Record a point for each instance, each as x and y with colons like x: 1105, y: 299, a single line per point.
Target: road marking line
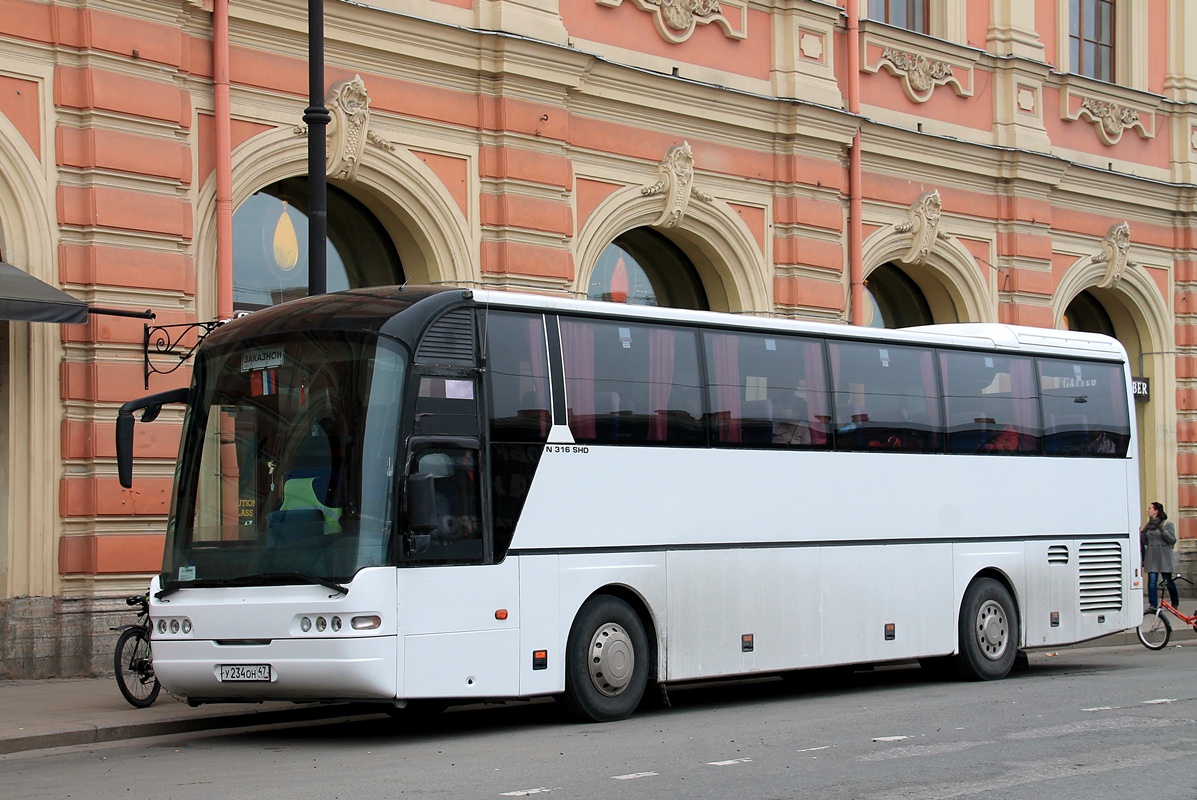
x: 813, y: 749
x: 527, y: 792
x: 729, y: 762
x: 633, y: 776
x: 1099, y: 708
x: 1158, y: 702
x: 889, y: 738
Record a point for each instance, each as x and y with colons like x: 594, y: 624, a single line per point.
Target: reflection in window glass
x: 643, y: 268
x: 766, y: 390
x: 1091, y: 38
x: 632, y: 383
x: 885, y: 397
x: 908, y: 14
x: 270, y: 246
x: 1084, y: 408
x: 458, y: 534
x: 519, y: 377
x: 991, y: 403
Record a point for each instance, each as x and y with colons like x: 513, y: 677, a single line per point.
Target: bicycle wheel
x: 135, y: 669
x: 1154, y: 631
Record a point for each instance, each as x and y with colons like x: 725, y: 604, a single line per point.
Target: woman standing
x: 1156, y: 538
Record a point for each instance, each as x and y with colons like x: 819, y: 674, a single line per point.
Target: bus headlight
x: 366, y: 623
x: 305, y: 624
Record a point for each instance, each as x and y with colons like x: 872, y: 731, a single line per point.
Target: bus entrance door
x: 458, y: 626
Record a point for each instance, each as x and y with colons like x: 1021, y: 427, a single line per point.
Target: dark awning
x: 24, y: 297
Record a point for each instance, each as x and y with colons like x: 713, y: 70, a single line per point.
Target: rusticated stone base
x: 56, y: 637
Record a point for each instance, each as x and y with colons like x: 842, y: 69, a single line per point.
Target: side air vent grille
x: 1101, y: 576
x: 1057, y: 554
x: 449, y: 341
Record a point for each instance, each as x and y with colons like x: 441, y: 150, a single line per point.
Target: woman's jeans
x: 1153, y: 588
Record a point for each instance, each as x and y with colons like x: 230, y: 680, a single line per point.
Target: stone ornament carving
x: 923, y: 226
x: 1115, y: 251
x: 348, y: 129
x: 676, y: 182
x: 1111, y: 119
x: 920, y: 74
x: 676, y: 20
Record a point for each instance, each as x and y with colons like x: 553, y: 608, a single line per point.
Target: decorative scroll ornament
x: 923, y: 226
x: 348, y: 128
x: 1111, y: 119
x: 676, y: 20
x: 675, y: 181
x: 920, y: 75
x: 1115, y: 251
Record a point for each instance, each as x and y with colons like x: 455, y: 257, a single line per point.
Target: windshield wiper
x: 301, y: 576
x: 255, y: 580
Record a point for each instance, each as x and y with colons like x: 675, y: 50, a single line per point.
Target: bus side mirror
x: 421, y: 512
x: 124, y: 427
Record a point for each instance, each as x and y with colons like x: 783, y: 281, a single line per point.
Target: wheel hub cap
x: 612, y: 659
x: 993, y: 633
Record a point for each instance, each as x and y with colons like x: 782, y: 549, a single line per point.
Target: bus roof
x: 993, y: 335
x: 372, y: 308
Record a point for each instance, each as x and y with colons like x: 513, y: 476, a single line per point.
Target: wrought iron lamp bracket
x: 167, y: 343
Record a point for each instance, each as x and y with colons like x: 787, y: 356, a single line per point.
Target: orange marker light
x: 501, y: 613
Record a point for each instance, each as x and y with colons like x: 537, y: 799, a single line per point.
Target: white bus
x: 403, y: 494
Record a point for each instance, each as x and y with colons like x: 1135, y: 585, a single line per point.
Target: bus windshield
x: 286, y: 472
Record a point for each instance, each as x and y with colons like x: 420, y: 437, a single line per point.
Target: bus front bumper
x: 284, y: 669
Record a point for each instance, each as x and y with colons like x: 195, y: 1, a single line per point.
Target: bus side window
x: 630, y: 383
x: 519, y: 377
x: 765, y: 390
x: 886, y: 397
x: 991, y: 403
x: 1084, y: 409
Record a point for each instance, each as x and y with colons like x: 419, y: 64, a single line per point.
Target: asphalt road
x: 1082, y: 723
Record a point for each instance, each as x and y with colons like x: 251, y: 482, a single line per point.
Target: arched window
x: 1086, y: 313
x: 894, y: 300
x: 270, y: 246
x: 642, y: 267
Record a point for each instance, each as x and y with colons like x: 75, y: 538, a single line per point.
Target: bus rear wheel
x: 606, y: 663
x: 988, y: 631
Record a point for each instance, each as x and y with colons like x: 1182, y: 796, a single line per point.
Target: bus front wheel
x: 606, y: 663
x: 988, y: 631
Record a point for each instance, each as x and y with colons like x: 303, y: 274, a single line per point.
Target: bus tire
x: 606, y: 661
x: 988, y: 631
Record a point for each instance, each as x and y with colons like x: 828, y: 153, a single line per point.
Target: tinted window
x: 519, y: 377
x: 766, y: 390
x: 885, y: 397
x: 991, y: 403
x: 1084, y: 408
x: 632, y: 383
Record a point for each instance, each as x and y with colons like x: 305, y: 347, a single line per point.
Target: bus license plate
x: 245, y: 672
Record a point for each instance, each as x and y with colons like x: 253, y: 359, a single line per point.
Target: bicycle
x: 1155, y: 630
x: 133, y: 660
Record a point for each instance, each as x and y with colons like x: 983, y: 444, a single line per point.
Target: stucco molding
x: 1111, y: 116
x: 675, y: 182
x: 922, y: 224
x: 712, y: 235
x: 932, y: 256
x: 676, y: 20
x: 922, y: 65
x: 348, y: 129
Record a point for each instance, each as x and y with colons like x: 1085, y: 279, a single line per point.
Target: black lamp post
x: 317, y: 118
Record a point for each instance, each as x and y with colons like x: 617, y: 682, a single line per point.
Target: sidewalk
x: 36, y: 715
x: 40, y: 714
